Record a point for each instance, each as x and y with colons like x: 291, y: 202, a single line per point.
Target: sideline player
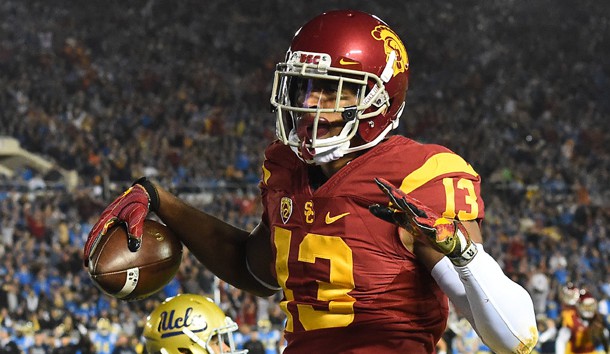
x: 584, y: 330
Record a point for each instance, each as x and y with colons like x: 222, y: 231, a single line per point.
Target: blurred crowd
x: 179, y: 91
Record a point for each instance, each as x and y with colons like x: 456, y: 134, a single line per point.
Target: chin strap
x: 331, y: 153
x: 375, y: 141
x: 324, y: 154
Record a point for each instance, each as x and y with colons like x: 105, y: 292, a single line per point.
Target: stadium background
x: 108, y: 91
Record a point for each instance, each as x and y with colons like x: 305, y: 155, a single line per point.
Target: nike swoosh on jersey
x: 342, y: 61
x: 331, y: 219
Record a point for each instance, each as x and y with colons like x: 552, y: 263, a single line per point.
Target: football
x: 128, y: 275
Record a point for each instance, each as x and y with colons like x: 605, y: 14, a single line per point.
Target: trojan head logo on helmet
x: 340, y: 51
x: 190, y: 324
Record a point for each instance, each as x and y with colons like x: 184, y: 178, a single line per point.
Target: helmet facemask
x: 301, y: 125
x: 219, y: 335
x: 587, y: 306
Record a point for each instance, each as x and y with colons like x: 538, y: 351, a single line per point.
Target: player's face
x: 323, y: 94
x: 216, y: 345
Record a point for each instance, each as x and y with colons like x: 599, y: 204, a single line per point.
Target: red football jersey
x: 582, y: 339
x: 350, y: 286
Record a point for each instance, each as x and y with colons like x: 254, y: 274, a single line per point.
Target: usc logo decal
x: 310, y: 58
x: 391, y: 43
x: 309, y: 212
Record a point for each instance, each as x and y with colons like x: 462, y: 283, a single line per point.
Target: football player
x: 569, y: 295
x: 365, y: 233
x: 189, y: 324
x: 104, y: 337
x: 585, y: 330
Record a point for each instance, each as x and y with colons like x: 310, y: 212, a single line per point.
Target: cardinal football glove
x: 448, y: 236
x: 131, y: 208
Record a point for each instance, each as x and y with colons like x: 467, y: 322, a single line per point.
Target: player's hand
x: 448, y: 236
x: 130, y: 209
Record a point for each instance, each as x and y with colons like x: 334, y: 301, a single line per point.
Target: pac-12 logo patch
x: 285, y: 209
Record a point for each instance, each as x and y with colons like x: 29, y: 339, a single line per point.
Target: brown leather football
x: 128, y: 275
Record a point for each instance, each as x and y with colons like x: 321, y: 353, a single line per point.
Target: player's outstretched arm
x: 219, y: 246
x: 500, y: 310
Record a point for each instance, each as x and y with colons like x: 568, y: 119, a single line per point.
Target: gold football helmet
x: 190, y: 324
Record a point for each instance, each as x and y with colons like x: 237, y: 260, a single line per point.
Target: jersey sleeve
x: 445, y: 182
